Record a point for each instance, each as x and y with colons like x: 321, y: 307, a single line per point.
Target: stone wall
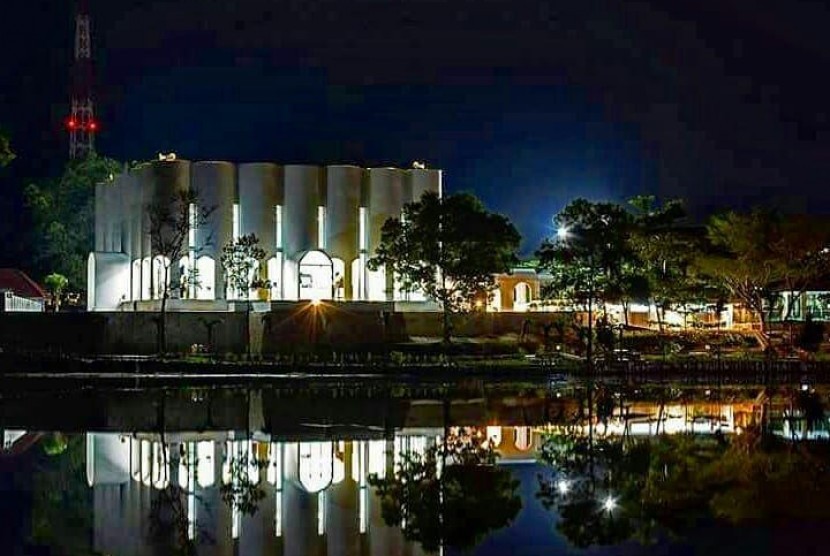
x: 284, y: 328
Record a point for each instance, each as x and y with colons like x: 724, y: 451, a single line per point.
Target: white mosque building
x: 319, y: 225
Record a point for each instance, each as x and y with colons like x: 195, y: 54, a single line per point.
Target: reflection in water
x: 451, y: 493
x: 608, y: 485
x: 421, y: 475
x: 267, y: 489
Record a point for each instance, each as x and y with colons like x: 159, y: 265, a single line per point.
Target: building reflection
x: 316, y: 494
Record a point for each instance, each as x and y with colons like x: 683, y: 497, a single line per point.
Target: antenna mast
x: 81, y: 123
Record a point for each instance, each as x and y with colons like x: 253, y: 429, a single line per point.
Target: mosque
x: 319, y: 225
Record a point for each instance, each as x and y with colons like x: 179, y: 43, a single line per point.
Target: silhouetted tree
x: 586, y: 257
x: 170, y: 221
x: 243, y: 260
x: 450, y: 248
x: 63, y: 214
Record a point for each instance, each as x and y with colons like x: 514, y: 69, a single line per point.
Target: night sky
x: 527, y: 104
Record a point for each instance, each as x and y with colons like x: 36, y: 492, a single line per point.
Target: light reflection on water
x: 291, y: 478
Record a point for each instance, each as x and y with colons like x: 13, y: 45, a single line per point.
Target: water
x: 459, y: 467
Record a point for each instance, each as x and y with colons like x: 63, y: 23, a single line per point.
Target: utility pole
x: 81, y: 123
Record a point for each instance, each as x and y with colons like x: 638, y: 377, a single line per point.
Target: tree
x: 664, y: 252
x: 449, y: 248
x: 64, y: 216
x: 170, y: 221
x: 801, y: 245
x: 61, y: 502
x: 670, y: 484
x: 456, y: 508
x: 757, y: 254
x: 586, y: 258
x: 56, y: 284
x: 242, y: 260
x: 6, y: 154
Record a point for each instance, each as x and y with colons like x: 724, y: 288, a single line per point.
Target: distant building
x: 814, y: 303
x: 519, y: 290
x: 319, y: 225
x: 20, y: 293
x: 523, y: 290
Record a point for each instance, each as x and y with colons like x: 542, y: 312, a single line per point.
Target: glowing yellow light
x: 315, y: 302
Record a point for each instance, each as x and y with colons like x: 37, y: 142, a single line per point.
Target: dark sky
x: 528, y: 104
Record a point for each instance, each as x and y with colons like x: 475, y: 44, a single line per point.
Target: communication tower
x: 81, y: 123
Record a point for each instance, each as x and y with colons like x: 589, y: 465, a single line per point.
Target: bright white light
x: 563, y: 486
x: 609, y: 504
x: 562, y: 232
x: 805, y: 387
x: 315, y: 302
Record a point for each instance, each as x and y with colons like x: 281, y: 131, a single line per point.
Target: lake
x: 349, y: 466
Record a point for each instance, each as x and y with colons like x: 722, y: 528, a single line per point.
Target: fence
x: 16, y: 304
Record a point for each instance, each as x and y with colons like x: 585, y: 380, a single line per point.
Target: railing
x: 16, y: 304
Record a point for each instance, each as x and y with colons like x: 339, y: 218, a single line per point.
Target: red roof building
x: 19, y: 283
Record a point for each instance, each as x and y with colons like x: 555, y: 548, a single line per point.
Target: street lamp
x: 562, y: 232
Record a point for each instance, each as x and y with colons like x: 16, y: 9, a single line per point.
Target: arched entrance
x: 316, y: 276
x: 205, y: 286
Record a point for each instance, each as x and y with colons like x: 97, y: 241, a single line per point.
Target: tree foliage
x: 6, y: 153
x: 449, y: 248
x: 665, y: 253
x: 587, y: 257
x: 758, y: 254
x: 64, y: 218
x: 242, y: 260
x: 56, y: 284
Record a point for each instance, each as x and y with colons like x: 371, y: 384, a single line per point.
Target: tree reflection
x: 452, y: 495
x: 243, y: 490
x: 616, y: 488
x: 61, y: 502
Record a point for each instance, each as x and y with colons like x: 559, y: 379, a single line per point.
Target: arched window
x: 494, y: 303
x: 315, y: 276
x: 316, y: 464
x: 205, y: 287
x: 339, y: 279
x: 146, y: 273
x: 522, y: 296
x: 161, y: 275
x: 494, y: 434
x: 185, y: 275
x: 275, y: 276
x: 205, y: 454
x: 136, y: 280
x: 376, y: 284
x: 357, y: 279
x: 522, y: 438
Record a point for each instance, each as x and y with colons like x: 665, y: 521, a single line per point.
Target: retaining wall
x: 286, y: 327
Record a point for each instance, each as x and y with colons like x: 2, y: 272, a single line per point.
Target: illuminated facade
x: 319, y: 226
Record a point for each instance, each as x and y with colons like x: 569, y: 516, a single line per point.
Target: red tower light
x: 93, y: 125
x: 71, y: 123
